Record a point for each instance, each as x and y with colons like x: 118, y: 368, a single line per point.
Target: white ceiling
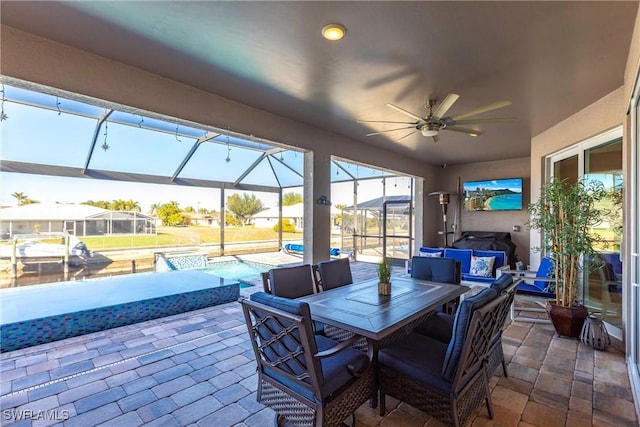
x: 550, y: 59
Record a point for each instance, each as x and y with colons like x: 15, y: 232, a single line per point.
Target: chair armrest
x: 514, y: 272
x: 527, y: 275
x: 338, y: 348
x: 347, y: 344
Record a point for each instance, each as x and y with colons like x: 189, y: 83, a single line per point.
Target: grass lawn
x: 179, y: 236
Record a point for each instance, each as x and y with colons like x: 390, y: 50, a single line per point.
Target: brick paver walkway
x: 197, y: 369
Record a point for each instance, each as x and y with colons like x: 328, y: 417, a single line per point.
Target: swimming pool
x: 239, y: 270
x: 43, y: 313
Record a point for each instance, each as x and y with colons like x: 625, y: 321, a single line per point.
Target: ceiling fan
x: 436, y: 121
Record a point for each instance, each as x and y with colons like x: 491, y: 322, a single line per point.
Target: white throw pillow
x: 482, y: 266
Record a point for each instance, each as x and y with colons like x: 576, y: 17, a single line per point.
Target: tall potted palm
x: 565, y: 214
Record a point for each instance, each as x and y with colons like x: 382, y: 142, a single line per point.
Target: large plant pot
x: 567, y: 321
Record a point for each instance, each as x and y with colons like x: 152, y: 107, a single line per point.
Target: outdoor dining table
x: 359, y: 309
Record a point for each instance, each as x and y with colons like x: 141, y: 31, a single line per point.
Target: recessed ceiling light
x: 333, y: 32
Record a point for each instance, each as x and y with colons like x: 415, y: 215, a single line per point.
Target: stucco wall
x: 599, y: 117
x: 488, y: 220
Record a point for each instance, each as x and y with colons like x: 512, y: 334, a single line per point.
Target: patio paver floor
x: 198, y: 369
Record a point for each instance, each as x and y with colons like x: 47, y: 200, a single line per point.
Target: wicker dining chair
x: 440, y: 325
x: 290, y: 282
x: 446, y: 381
x: 335, y: 273
x: 438, y: 269
x: 308, y: 380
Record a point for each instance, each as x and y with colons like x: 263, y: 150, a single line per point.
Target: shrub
x: 287, y: 226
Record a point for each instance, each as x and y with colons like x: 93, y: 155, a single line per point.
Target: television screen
x: 493, y: 195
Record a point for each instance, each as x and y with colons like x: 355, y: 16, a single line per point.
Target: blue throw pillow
x: 460, y: 327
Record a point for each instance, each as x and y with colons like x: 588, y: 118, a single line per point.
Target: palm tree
x: 132, y: 205
x: 153, y: 209
x: 21, y: 197
x: 118, y: 205
x: 289, y: 199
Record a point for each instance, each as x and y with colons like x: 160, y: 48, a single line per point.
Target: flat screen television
x: 493, y: 195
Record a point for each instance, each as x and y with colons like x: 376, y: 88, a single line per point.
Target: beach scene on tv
x: 493, y: 195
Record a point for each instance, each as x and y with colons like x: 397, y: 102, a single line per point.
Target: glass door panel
x: 600, y: 158
x: 603, y: 288
x: 566, y: 169
x: 397, y: 230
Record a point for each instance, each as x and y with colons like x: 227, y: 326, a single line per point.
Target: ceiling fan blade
x: 436, y: 138
x: 405, y: 112
x: 401, y: 138
x: 469, y: 131
x: 490, y: 107
x: 492, y: 120
x: 446, y: 104
x: 385, y: 121
x: 389, y: 130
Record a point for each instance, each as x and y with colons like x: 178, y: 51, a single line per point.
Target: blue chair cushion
x: 613, y: 258
x: 418, y: 357
x: 502, y: 283
x: 544, y: 270
x: 436, y: 269
x: 462, y: 255
x: 298, y: 308
x: 438, y: 327
x: 288, y: 305
x: 474, y: 278
x: 459, y: 331
x: 335, y: 374
x: 430, y: 252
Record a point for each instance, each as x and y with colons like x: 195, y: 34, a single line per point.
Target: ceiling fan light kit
x: 427, y: 130
x: 436, y: 120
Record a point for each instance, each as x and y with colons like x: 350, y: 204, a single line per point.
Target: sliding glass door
x: 633, y: 244
x: 600, y: 159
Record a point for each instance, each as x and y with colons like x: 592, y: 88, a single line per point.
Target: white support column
x: 222, y: 220
x: 418, y: 200
x: 317, y: 217
x: 280, y: 243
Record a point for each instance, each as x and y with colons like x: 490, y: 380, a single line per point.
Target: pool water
x: 237, y: 270
x: 44, y: 313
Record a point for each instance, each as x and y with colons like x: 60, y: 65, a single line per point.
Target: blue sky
x: 60, y: 133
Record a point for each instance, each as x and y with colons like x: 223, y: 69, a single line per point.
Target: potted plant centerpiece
x: 384, y: 277
x: 565, y: 214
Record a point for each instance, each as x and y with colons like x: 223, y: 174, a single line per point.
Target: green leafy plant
x: 565, y: 214
x: 384, y: 271
x: 287, y: 226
